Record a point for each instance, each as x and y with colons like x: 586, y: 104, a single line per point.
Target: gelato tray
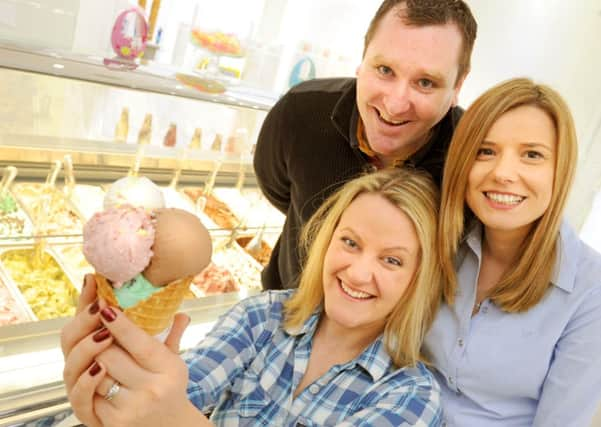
x: 262, y: 210
x: 13, y: 309
x: 45, y: 286
x: 214, y: 280
x: 215, y: 209
x: 243, y: 267
x: 175, y: 199
x: 88, y: 199
x: 51, y: 212
x: 262, y: 254
x: 73, y: 259
x: 14, y: 222
x: 251, y: 206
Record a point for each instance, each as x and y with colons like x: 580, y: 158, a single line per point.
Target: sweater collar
x: 345, y: 118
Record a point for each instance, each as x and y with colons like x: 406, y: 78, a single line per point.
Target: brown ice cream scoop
x: 182, y: 247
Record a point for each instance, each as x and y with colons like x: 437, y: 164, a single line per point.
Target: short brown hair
x: 421, y: 13
x: 414, y: 193
x: 526, y: 283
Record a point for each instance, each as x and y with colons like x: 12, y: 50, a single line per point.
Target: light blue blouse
x: 538, y: 368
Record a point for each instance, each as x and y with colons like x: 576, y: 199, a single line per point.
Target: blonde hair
x: 525, y: 284
x: 415, y: 194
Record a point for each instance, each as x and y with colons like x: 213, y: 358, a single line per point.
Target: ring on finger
x: 112, y: 391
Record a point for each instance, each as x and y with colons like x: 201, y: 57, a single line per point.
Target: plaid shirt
x: 246, y: 369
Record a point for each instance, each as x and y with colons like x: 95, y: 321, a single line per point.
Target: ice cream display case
x: 66, y: 134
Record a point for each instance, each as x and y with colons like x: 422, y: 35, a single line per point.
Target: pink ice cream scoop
x: 129, y: 233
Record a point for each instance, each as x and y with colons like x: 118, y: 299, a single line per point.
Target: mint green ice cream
x: 137, y: 289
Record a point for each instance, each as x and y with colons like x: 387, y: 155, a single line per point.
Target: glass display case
x: 70, y: 126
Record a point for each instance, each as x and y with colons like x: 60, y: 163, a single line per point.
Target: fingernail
x: 101, y: 335
x: 94, y: 308
x: 108, y: 314
x: 95, y: 369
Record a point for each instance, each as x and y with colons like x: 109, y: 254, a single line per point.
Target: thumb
x: 180, y: 323
x: 88, y: 293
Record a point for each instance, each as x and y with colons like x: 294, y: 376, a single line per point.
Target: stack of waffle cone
x: 155, y: 313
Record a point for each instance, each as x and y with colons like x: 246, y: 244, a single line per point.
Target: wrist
x: 190, y: 416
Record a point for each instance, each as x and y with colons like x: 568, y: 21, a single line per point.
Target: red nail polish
x: 94, y: 308
x: 101, y: 335
x: 95, y: 369
x: 108, y: 314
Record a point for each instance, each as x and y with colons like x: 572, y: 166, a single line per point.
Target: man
x: 400, y: 109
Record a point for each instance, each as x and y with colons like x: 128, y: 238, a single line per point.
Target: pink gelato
x: 129, y: 233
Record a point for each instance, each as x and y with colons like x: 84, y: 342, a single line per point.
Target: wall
x: 42, y: 23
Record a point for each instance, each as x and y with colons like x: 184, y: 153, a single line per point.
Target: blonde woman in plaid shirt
x: 343, y: 349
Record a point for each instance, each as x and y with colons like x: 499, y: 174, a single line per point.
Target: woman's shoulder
x: 265, y: 305
x: 268, y: 298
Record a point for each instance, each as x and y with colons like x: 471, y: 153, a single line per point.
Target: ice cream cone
x: 155, y: 313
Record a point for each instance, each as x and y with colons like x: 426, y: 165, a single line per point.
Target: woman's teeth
x: 505, y: 199
x: 353, y: 293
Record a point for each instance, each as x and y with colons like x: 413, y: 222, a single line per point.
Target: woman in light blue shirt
x: 517, y: 341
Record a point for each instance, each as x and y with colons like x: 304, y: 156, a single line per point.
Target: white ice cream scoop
x: 137, y: 191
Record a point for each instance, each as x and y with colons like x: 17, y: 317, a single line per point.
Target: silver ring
x: 112, y: 391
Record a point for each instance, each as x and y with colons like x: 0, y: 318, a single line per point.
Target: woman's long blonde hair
x: 415, y: 194
x: 525, y: 284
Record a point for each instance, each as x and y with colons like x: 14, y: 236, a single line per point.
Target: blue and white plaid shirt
x: 246, y: 370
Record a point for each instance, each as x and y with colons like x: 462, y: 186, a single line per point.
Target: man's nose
x: 397, y: 100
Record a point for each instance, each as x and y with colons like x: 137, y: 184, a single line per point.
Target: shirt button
x: 484, y: 310
x: 460, y: 342
x: 313, y: 389
x: 450, y: 380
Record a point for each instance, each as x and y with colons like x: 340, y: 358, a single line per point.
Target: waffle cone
x: 155, y: 313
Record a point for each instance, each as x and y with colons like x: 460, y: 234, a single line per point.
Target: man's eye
x: 425, y: 83
x: 384, y: 70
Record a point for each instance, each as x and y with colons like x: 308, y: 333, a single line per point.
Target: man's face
x: 406, y: 83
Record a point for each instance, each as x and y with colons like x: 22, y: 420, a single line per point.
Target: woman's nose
x: 361, y: 270
x: 505, y: 169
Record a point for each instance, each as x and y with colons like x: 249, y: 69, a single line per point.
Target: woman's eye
x: 534, y: 155
x: 485, y: 152
x: 425, y: 83
x: 393, y: 261
x: 384, y: 70
x: 349, y: 242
